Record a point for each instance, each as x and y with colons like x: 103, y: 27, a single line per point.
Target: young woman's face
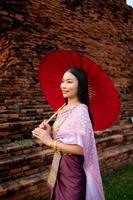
x: 69, y: 85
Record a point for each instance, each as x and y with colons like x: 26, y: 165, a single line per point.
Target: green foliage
x: 17, y: 107
x: 24, y: 142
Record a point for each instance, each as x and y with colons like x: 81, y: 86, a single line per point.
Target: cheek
x: 74, y: 88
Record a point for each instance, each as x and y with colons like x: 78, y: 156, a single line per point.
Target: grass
x: 118, y: 185
x: 24, y: 142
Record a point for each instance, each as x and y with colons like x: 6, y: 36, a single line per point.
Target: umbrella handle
x: 55, y: 113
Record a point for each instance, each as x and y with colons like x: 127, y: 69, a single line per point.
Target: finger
x: 46, y: 126
x: 41, y: 125
x: 45, y: 122
x: 36, y: 132
x: 34, y: 129
x: 38, y: 129
x: 36, y: 135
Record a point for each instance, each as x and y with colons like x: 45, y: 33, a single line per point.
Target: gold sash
x: 54, y: 170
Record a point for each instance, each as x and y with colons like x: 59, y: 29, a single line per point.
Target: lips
x: 64, y: 92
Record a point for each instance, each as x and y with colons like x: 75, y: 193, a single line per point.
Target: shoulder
x: 81, y: 110
x: 82, y: 107
x: 81, y: 115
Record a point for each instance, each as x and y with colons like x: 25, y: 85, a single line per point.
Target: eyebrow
x: 67, y: 79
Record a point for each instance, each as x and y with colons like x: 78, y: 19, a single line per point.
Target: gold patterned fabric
x: 54, y: 170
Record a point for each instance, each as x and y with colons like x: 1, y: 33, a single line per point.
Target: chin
x: 65, y: 96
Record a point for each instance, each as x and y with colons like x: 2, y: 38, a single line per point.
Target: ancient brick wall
x: 30, y: 29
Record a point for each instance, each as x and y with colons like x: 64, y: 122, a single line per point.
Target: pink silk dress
x: 77, y: 129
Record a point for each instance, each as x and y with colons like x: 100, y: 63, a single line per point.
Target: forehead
x: 69, y: 75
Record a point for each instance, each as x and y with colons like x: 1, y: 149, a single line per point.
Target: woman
x: 78, y: 174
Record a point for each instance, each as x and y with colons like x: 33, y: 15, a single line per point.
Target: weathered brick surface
x: 30, y: 29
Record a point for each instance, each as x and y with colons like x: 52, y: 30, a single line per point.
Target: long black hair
x: 83, y: 92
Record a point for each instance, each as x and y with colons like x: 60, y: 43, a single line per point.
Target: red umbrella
x: 104, y: 98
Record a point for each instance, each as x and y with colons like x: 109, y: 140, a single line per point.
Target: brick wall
x: 30, y: 29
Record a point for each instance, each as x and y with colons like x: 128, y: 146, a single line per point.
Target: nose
x: 63, y: 86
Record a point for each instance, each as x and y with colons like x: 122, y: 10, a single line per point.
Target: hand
x: 42, y: 135
x: 44, y: 125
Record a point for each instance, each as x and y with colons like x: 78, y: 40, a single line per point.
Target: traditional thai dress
x: 78, y: 176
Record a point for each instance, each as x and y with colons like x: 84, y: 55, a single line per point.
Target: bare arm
x: 70, y: 148
x: 45, y: 138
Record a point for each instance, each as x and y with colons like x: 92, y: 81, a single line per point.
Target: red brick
x: 30, y: 172
x: 14, y: 171
x: 2, y: 191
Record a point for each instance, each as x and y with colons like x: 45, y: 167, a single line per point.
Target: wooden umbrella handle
x: 55, y: 113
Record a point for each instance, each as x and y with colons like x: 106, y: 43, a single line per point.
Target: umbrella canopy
x: 104, y: 102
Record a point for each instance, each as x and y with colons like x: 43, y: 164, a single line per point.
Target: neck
x: 73, y: 101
